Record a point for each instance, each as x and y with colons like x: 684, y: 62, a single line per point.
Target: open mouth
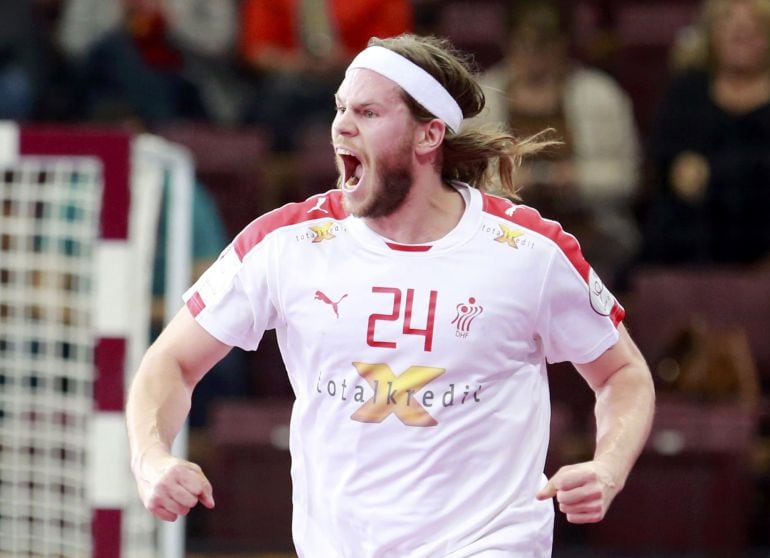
x: 352, y: 170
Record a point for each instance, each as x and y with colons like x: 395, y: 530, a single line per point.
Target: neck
x: 741, y: 90
x: 431, y: 210
x: 742, y: 75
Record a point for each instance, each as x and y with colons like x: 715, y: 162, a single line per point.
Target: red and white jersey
x: 422, y: 411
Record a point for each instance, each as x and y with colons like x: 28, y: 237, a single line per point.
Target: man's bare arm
x: 625, y: 404
x: 158, y: 403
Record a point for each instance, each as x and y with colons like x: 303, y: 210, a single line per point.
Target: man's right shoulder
x: 326, y: 205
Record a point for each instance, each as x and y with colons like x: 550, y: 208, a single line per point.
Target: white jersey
x: 422, y: 412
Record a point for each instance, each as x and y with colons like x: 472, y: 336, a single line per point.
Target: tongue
x: 352, y: 182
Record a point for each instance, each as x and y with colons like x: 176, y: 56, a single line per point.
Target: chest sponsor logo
x: 405, y: 396
x: 466, y: 313
x: 398, y: 395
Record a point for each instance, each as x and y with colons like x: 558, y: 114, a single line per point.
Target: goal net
x: 78, y: 218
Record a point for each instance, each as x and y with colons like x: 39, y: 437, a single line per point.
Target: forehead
x: 366, y: 86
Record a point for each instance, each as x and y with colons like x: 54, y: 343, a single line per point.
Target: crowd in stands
x: 692, y: 180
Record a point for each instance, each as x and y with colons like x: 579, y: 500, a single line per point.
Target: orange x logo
x: 322, y: 232
x: 509, y: 236
x: 395, y: 394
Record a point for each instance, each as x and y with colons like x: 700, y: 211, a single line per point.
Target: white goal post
x: 78, y: 226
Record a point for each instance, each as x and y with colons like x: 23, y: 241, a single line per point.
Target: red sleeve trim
x: 195, y: 304
x: 617, y: 314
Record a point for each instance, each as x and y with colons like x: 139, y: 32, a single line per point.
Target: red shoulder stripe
x: 328, y: 204
x: 529, y: 218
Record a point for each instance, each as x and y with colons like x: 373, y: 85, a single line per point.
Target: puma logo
x: 326, y: 300
x: 317, y: 207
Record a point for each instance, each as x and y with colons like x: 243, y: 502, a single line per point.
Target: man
x: 415, y: 315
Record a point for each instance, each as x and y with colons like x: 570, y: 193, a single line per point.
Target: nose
x: 343, y: 124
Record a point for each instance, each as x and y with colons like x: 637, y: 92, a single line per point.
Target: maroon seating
x: 691, y: 488
x: 250, y: 471
x: 666, y: 300
x: 477, y: 27
x: 231, y: 163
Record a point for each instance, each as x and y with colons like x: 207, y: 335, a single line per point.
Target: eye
x: 340, y: 109
x: 368, y: 113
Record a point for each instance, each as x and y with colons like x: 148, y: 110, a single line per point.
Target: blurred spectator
x: 710, y: 148
x: 160, y: 59
x: 84, y: 22
x: 589, y: 181
x: 25, y: 59
x: 206, y: 34
x: 297, y: 51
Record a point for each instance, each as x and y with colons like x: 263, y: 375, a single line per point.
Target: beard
x: 388, y: 190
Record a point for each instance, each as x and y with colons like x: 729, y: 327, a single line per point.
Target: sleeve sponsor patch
x: 602, y: 300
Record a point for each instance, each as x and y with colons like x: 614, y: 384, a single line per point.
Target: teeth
x: 351, y: 184
x: 351, y: 168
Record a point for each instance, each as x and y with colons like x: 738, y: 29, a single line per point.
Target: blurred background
x: 663, y: 174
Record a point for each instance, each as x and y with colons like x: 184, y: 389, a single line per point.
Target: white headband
x: 422, y: 86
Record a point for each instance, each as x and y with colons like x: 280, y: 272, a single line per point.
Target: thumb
x: 206, y: 495
x: 548, y: 491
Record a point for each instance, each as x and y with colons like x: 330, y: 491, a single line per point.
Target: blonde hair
x: 694, y: 48
x: 484, y: 158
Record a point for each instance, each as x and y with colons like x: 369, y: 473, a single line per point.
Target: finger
x: 169, y: 514
x: 588, y: 508
x: 548, y: 491
x: 161, y: 512
x: 207, y: 495
x: 583, y: 518
x: 581, y: 494
x: 565, y: 478
x: 569, y: 478
x: 182, y: 495
x: 165, y: 500
x: 197, y: 484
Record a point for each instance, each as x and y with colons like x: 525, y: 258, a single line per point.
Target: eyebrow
x: 360, y: 105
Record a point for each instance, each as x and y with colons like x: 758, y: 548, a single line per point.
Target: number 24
x: 396, y: 314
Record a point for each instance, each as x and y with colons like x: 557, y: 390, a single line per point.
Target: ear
x: 430, y: 136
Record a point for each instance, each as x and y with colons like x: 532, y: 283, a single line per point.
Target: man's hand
x: 170, y: 487
x: 584, y: 491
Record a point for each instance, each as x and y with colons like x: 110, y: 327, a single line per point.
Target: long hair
x: 486, y: 158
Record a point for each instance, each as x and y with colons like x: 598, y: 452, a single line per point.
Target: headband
x: 422, y: 86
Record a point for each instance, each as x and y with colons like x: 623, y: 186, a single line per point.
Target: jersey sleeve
x: 232, y: 299
x: 578, y: 316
